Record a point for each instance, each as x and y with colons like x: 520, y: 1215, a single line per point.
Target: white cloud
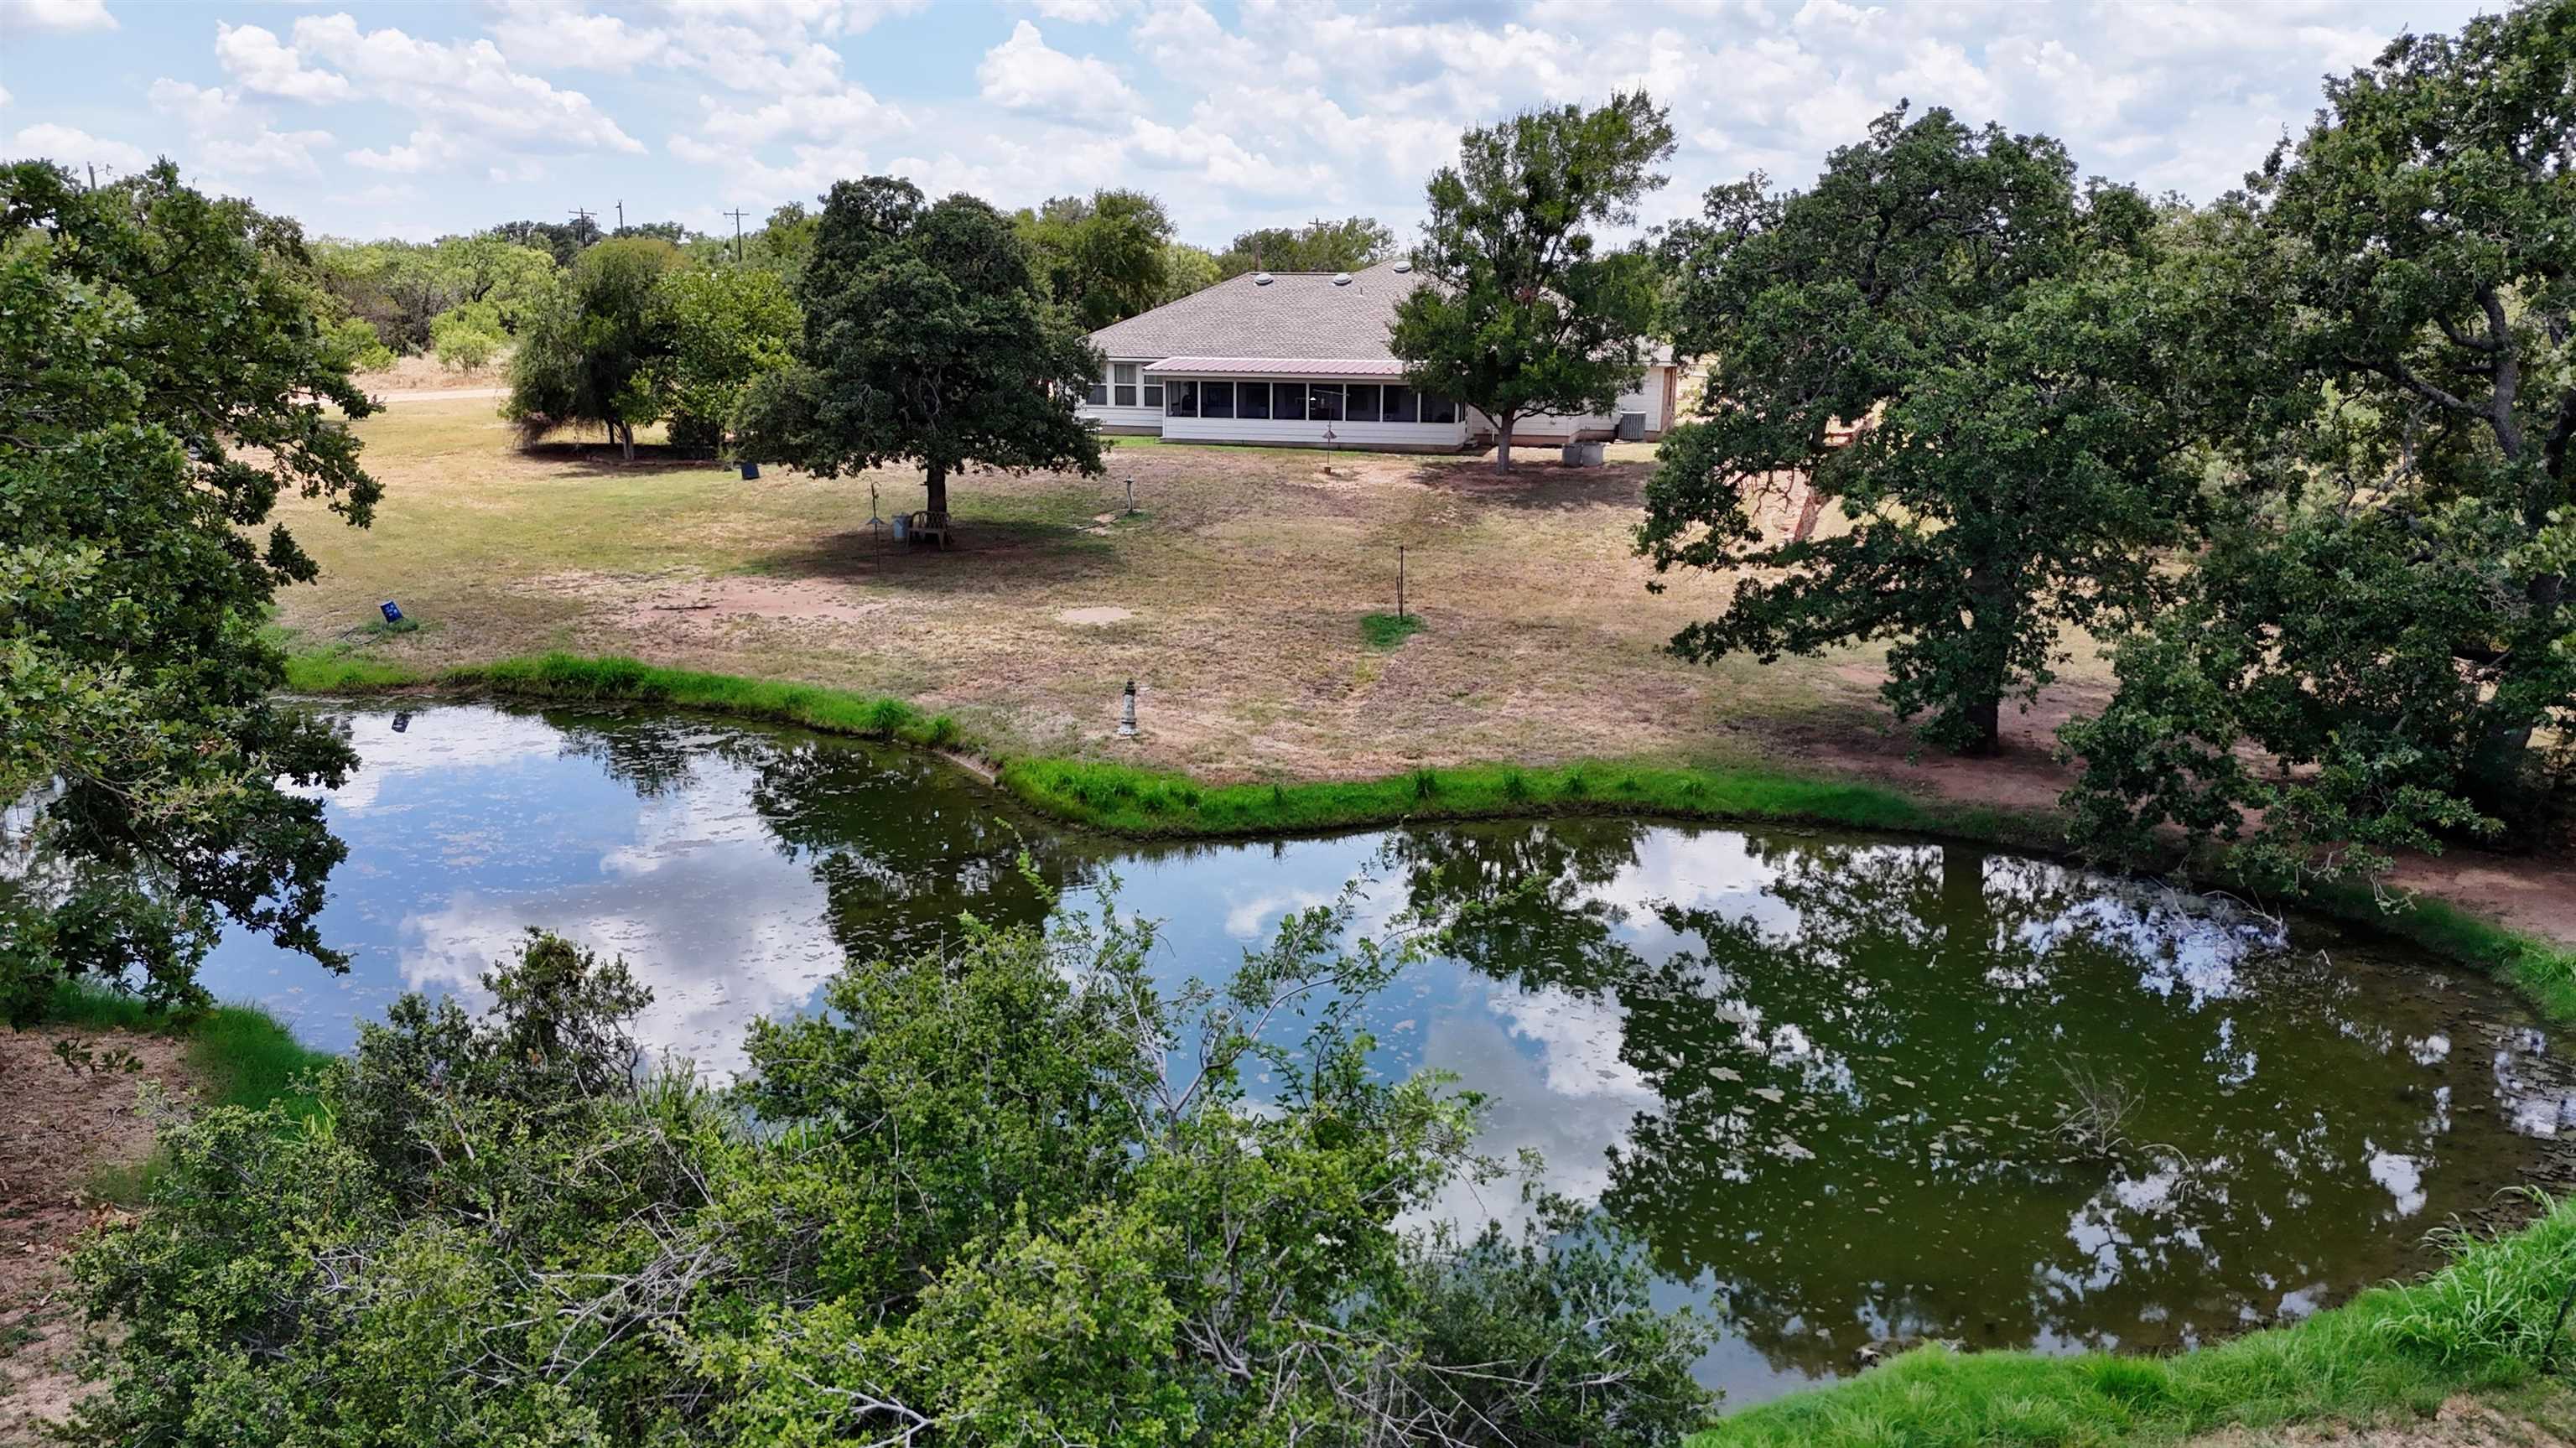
x: 75, y: 148
x: 4, y: 95
x: 466, y: 82
x: 1083, y: 12
x: 230, y: 137
x: 1023, y: 74
x: 794, y: 19
x: 427, y: 150
x: 564, y: 35
x: 845, y: 113
x: 255, y: 56
x: 464, y: 93
x: 56, y: 15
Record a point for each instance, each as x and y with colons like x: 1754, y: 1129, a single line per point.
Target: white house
x: 1301, y: 359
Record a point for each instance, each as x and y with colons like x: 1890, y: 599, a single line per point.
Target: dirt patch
x: 58, y: 1128
x: 2463, y: 1422
x: 684, y: 604
x: 1100, y: 614
x: 415, y: 375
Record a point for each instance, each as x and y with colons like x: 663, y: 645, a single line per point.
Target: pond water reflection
x: 1827, y: 1078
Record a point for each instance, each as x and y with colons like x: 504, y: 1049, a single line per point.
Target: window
x: 1359, y: 402
x: 1288, y: 400
x: 1097, y: 395
x: 1436, y: 408
x: 1252, y: 399
x: 1403, y: 404
x: 1216, y: 399
x: 1122, y: 383
x: 1153, y: 393
x: 1324, y: 402
x: 1181, y: 399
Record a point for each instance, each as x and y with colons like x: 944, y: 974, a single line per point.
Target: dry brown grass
x: 1246, y: 574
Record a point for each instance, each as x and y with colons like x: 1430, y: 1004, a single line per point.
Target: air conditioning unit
x: 1632, y: 427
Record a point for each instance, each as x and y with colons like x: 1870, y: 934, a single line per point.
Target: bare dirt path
x: 2543, y: 1420
x: 440, y: 394
x: 58, y: 1128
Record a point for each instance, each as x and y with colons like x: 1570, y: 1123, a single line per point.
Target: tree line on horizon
x: 1105, y: 257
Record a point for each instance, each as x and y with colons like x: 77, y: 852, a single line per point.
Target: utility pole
x: 621, y: 216
x: 737, y: 216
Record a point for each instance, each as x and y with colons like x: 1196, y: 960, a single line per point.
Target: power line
x: 737, y: 215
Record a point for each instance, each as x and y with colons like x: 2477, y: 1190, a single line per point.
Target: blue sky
x: 415, y: 119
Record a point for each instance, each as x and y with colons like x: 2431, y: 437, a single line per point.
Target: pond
x: 1827, y: 1078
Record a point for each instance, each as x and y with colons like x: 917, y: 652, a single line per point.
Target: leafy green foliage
x: 401, y: 289
x: 2387, y: 317
x: 594, y: 351
x: 928, y: 338
x: 1318, y: 246
x: 560, y: 240
x: 1995, y: 334
x: 729, y: 325
x: 1187, y: 269
x: 1523, y: 311
x: 1002, y: 1192
x: 1103, y: 257
x: 164, y: 376
x: 468, y: 337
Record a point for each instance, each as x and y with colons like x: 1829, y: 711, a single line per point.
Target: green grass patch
x: 1386, y: 630
x: 2479, y: 1324
x: 624, y: 680
x: 343, y: 673
x: 238, y: 1055
x: 1144, y: 802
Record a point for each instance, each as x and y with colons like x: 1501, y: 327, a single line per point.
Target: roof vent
x: 1403, y: 266
x: 1341, y: 279
x: 1261, y: 279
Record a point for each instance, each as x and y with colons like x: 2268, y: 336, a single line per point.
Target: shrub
x: 968, y: 1191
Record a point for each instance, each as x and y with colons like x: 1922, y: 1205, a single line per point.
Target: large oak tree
x: 928, y: 338
x: 2390, y: 307
x: 164, y: 379
x: 1955, y: 340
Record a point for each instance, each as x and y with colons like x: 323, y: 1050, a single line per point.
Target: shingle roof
x: 1276, y: 367
x: 1300, y: 314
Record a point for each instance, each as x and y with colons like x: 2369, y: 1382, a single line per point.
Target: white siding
x: 1305, y: 431
x: 1110, y: 414
x: 1647, y: 397
x: 1144, y: 417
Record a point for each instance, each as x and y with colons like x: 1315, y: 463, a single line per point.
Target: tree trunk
x: 1984, y: 714
x: 626, y: 440
x: 1981, y: 694
x: 1503, y: 443
x: 2499, y: 775
x: 936, y: 480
